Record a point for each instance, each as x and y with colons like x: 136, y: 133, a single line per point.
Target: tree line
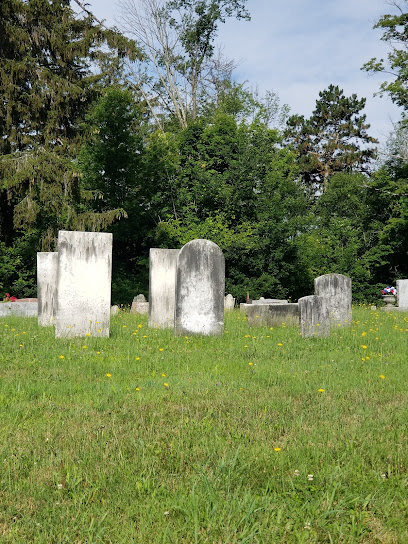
x: 143, y: 131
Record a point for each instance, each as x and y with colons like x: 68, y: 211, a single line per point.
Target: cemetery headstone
x: 84, y: 284
x: 336, y: 289
x: 402, y: 294
x: 200, y: 285
x: 139, y: 305
x: 162, y: 287
x: 314, y: 317
x: 272, y: 315
x: 229, y: 302
x: 47, y: 276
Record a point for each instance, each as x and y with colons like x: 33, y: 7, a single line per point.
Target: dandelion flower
x: 160, y: 349
x: 88, y: 334
x: 137, y: 358
x: 83, y: 347
x: 166, y: 384
x: 276, y: 449
x: 62, y: 357
x: 321, y: 390
x: 382, y: 376
x: 245, y: 346
x: 364, y: 347
x: 98, y: 353
x: 280, y: 344
x: 140, y: 326
x: 108, y: 375
x: 124, y: 326
x: 137, y: 388
x: 250, y: 364
x: 163, y: 375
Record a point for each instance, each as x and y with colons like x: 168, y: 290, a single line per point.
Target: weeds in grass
x: 257, y: 436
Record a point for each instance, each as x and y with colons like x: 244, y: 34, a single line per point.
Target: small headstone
x: 229, y: 303
x: 139, y: 298
x: 314, y: 317
x: 84, y: 284
x: 336, y: 289
x: 200, y: 285
x: 402, y: 294
x: 272, y: 315
x: 139, y: 306
x: 47, y: 274
x: 114, y: 310
x: 162, y: 287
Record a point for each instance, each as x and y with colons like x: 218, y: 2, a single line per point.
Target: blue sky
x: 299, y: 47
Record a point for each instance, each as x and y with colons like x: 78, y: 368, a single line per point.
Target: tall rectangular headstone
x: 162, y: 287
x: 314, y: 316
x: 84, y: 284
x: 200, y: 284
x: 402, y: 294
x: 336, y: 289
x: 47, y: 275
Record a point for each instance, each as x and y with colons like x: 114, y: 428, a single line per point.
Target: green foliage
x: 333, y: 139
x: 395, y: 27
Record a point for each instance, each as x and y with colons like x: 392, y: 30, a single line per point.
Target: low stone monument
x: 263, y: 300
x: 314, y: 317
x: 162, y: 287
x: 84, y: 284
x: 272, y: 315
x: 200, y: 285
x: 336, y: 289
x: 47, y: 275
x: 139, y: 305
x: 19, y: 308
x: 229, y: 303
x: 402, y: 294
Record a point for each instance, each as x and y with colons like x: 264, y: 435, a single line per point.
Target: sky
x: 297, y: 48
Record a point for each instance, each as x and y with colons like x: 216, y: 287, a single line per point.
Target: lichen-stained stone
x: 336, y: 289
x: 47, y: 275
x: 200, y: 287
x: 162, y: 287
x: 314, y: 317
x: 84, y: 284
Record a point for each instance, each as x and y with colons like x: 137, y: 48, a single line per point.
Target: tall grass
x: 257, y: 436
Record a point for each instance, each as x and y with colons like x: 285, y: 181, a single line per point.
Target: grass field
x: 257, y: 436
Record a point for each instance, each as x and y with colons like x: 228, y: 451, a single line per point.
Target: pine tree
x: 334, y: 139
x: 49, y: 77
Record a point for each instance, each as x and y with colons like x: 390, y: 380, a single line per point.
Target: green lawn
x: 257, y: 436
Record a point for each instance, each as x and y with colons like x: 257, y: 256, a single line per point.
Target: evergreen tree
x: 333, y: 139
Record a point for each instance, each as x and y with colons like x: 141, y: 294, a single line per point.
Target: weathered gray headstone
x: 139, y: 305
x: 402, y: 294
x: 47, y: 276
x: 314, y: 316
x: 200, y: 284
x: 336, y: 289
x: 84, y: 284
x: 114, y: 310
x: 272, y: 315
x: 162, y: 287
x: 19, y: 308
x: 229, y: 302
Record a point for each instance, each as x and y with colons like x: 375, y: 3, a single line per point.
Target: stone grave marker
x: 336, y: 289
x: 229, y: 303
x: 402, y: 294
x: 272, y: 315
x: 162, y: 287
x: 200, y: 285
x: 139, y: 305
x: 314, y: 317
x: 47, y: 276
x: 84, y: 284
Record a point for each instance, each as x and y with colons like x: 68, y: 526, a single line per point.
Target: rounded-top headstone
x: 200, y: 284
x: 336, y: 289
